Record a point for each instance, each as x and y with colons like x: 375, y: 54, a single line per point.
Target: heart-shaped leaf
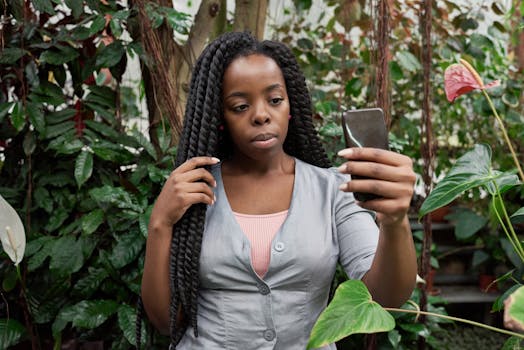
x: 351, y: 311
x: 471, y: 170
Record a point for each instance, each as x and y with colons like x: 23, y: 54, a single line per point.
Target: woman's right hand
x: 188, y: 184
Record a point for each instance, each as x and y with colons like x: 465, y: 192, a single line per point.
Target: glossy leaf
x: 115, y: 196
x: 518, y: 216
x: 513, y: 343
x: 110, y: 55
x: 11, y: 54
x: 127, y: 249
x: 12, y: 232
x: 66, y: 256
x: 61, y: 55
x: 85, y: 314
x: 88, y: 285
x: 127, y: 322
x: 351, y: 311
x: 467, y: 222
x: 83, y: 167
x: 498, y: 304
x: 36, y: 116
x: 91, y: 221
x: 471, y: 170
x: 18, y: 116
x: 11, y: 332
x: 44, y: 6
x: 408, y: 61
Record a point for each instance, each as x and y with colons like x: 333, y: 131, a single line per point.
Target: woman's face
x: 256, y: 105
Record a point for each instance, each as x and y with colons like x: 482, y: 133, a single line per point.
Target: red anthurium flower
x: 461, y: 78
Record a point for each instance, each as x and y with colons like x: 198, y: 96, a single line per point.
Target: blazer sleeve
x: 356, y: 231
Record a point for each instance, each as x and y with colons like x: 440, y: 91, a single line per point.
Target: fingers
x: 194, y: 163
x: 381, y: 171
x: 199, y: 174
x: 375, y: 155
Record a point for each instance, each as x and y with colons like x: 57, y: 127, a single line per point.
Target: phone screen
x: 365, y: 128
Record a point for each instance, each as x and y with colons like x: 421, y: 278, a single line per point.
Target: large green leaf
x: 518, y: 216
x: 83, y: 167
x: 4, y: 109
x: 61, y: 55
x: 18, y: 116
x: 127, y: 322
x: 44, y: 6
x: 116, y: 196
x: 513, y: 343
x: 408, y: 61
x: 67, y: 256
x: 88, y: 285
x: 127, y: 249
x: 56, y: 219
x: 36, y: 116
x: 467, y: 222
x: 43, y: 247
x: 516, y: 307
x: 11, y: 54
x: 91, y: 221
x: 351, y: 311
x: 144, y: 142
x: 471, y: 170
x: 110, y: 55
x: 11, y: 332
x: 76, y: 7
x: 85, y: 314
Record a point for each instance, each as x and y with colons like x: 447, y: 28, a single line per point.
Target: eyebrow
x: 267, y: 89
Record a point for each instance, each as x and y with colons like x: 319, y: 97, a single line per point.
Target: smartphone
x: 365, y: 128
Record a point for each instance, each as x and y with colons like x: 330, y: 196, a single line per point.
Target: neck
x: 278, y: 163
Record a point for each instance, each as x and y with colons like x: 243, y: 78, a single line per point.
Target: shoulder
x: 328, y: 176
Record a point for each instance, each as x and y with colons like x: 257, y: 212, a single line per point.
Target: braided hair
x: 201, y: 137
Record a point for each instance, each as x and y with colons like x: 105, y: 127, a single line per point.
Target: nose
x: 261, y: 115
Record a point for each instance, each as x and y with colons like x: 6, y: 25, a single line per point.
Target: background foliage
x: 83, y: 175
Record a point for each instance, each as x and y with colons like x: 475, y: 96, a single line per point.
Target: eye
x: 240, y: 108
x: 276, y: 101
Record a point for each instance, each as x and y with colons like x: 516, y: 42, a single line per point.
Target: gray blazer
x: 237, y: 310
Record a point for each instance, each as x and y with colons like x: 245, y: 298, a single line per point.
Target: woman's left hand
x: 389, y: 175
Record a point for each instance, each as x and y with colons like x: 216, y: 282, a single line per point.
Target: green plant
x: 80, y: 175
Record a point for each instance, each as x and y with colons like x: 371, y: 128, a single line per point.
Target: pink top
x: 260, y: 230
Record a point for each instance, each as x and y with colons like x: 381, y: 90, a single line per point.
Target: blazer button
x: 279, y: 246
x: 263, y: 289
x: 269, y: 334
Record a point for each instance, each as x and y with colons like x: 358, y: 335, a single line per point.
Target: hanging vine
x: 426, y: 147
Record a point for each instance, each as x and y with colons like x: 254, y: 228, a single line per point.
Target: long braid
x: 201, y: 137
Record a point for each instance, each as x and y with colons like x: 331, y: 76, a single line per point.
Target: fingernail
x: 216, y: 160
x: 343, y: 187
x: 342, y: 168
x: 214, y: 199
x: 214, y: 183
x: 345, y: 152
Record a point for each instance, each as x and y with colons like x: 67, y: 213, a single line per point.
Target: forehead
x: 253, y: 69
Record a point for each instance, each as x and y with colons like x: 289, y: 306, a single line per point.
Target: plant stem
x: 512, y: 236
x: 478, y: 324
x: 504, y: 228
x: 504, y: 132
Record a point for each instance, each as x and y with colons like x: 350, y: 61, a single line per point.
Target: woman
x: 247, y: 231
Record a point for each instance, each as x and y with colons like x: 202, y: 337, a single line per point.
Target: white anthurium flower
x: 12, y: 233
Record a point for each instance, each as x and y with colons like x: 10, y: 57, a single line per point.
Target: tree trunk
x: 251, y: 15
x: 167, y: 74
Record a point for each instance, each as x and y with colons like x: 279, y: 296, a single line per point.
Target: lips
x: 264, y: 137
